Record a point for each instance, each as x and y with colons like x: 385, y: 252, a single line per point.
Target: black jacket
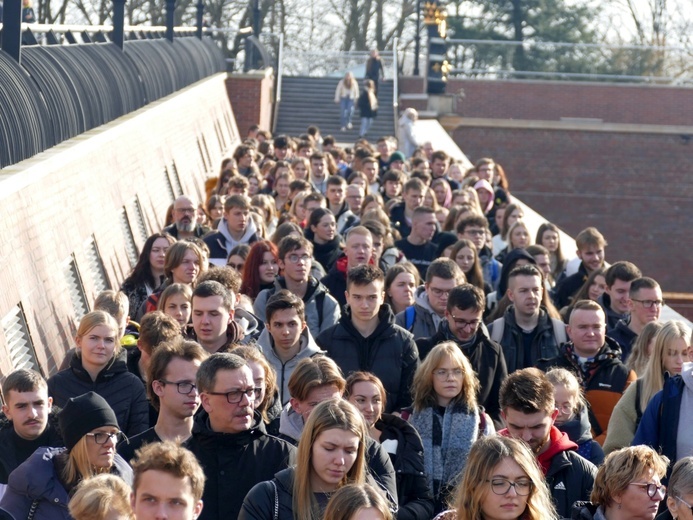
x: 327, y: 254
x: 123, y: 391
x: 566, y: 289
x: 624, y: 336
x: 389, y: 353
x: 234, y: 463
x: 487, y: 360
x: 413, y: 494
x: 579, y: 431
x: 570, y: 478
x: 335, y: 281
x: 199, y: 231
x: 399, y: 221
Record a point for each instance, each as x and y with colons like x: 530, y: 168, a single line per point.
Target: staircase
x: 310, y: 101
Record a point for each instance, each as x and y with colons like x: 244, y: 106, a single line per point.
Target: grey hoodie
x: 426, y: 320
x: 291, y: 424
x: 229, y: 241
x: 684, y: 436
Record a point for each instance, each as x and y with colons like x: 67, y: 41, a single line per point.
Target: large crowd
x: 364, y: 332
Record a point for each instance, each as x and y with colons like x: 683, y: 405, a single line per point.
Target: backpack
x: 498, y: 327
x: 409, y: 315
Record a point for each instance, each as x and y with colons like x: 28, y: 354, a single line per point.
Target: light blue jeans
x: 366, y: 123
x: 346, y: 110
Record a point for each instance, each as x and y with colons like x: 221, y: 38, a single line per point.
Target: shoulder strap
x: 409, y: 314
x: 276, y: 501
x: 319, y: 302
x: 559, y: 331
x: 638, y: 411
x: 497, y: 328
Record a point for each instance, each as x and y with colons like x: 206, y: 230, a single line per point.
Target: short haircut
x: 238, y: 181
x: 114, y: 303
x: 207, y: 373
x: 369, y: 159
x: 525, y: 270
x: 471, y: 220
x: 236, y: 201
x: 313, y: 372
x: 394, y: 176
x: 363, y: 275
x: 314, y: 197
x: 293, y: 243
x: 644, y: 282
x: 22, y: 380
x: 376, y: 228
x: 357, y: 230
x: 586, y: 305
x: 336, y: 180
x: 590, y: 237
x: 537, y: 249
x: 211, y: 288
x: 356, y: 175
x: 318, y: 156
x: 444, y: 268
x: 466, y: 296
x: 527, y: 391
x: 283, y: 300
x: 439, y: 155
x: 423, y: 210
x: 169, y: 457
x: 414, y: 184
x: 97, y: 496
x: 299, y: 185
x: 226, y: 276
x: 156, y: 328
x: 624, y: 271
x: 178, y: 348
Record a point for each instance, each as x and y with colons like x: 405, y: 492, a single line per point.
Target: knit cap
x: 83, y: 414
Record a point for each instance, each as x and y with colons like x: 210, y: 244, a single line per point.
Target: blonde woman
x: 345, y: 95
x: 354, y: 502
x: 103, y: 497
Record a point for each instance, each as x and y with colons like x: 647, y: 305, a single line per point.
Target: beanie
x: 397, y: 156
x: 83, y: 414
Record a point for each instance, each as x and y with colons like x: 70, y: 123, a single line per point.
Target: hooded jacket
x: 233, y: 463
x: 389, y: 352
x: 123, y: 391
x: 624, y: 336
x: 335, y: 280
x: 426, y: 320
x: 221, y: 242
x: 406, y: 133
x: 316, y: 292
x: 579, y: 431
x: 327, y: 254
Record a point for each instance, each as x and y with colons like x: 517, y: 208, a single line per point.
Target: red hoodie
x: 558, y: 442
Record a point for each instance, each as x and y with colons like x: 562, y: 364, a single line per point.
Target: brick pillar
x: 252, y: 96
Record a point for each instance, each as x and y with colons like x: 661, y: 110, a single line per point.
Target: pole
x: 119, y: 23
x: 417, y: 40
x: 200, y: 15
x: 12, y: 29
x: 170, y: 20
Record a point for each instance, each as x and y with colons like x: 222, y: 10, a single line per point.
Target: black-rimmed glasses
x: 235, y: 396
x: 184, y: 387
x: 501, y: 486
x: 104, y: 437
x: 649, y: 303
x: 652, y: 489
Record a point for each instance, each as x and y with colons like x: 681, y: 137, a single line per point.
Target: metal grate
x: 19, y: 344
x: 168, y: 185
x: 220, y: 135
x: 205, y: 148
x: 96, y: 268
x: 176, y: 179
x: 130, y: 245
x: 75, y: 287
x: 139, y: 217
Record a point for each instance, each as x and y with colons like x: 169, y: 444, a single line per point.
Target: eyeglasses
x: 235, y: 396
x: 183, y: 387
x: 464, y: 324
x: 686, y: 503
x: 103, y: 437
x: 294, y: 259
x: 443, y: 373
x: 652, y: 489
x: 501, y: 486
x: 649, y: 303
x: 475, y: 232
x: 185, y: 210
x: 566, y: 409
x: 439, y: 292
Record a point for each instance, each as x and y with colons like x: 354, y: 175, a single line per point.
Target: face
x: 228, y: 417
x: 566, y: 403
x: 259, y: 381
x: 510, y: 505
x: 97, y: 345
x: 217, y: 211
x: 28, y: 411
x: 335, y: 194
x: 102, y: 455
x: 592, y: 257
x: 285, y: 327
x: 377, y: 248
x: 635, y: 503
x: 428, y: 199
x: 184, y: 214
x: 438, y: 290
x: 424, y: 226
x: 186, y: 272
x: 300, y: 170
x: 355, y: 198
x: 318, y: 168
x: 393, y: 188
x: 440, y: 192
x: 246, y: 161
x: 365, y: 300
x: 642, y: 313
x: 550, y: 240
x: 367, y: 398
x: 359, y: 249
x: 253, y: 186
x: 619, y: 295
x: 296, y: 265
x: 326, y: 228
x: 532, y: 428
x: 679, y: 507
x: 486, y: 172
x: 447, y: 381
x: 543, y: 263
x: 587, y: 330
x: 316, y: 396
x: 674, y: 356
x: 157, y: 255
x: 465, y: 259
x: 236, y: 262
x: 463, y: 323
x: 311, y: 206
x: 210, y: 319
x: 371, y: 171
x: 402, y: 290
x: 525, y: 292
x: 282, y: 187
x: 477, y: 235
x: 413, y: 199
x: 161, y: 495
x: 178, y: 405
x: 332, y: 456
x: 438, y: 167
x: 520, y: 237
x: 268, y: 268
x: 178, y: 307
x: 384, y: 149
x: 597, y: 288
x: 237, y: 219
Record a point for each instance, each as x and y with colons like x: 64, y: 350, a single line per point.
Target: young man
x: 594, y: 359
x: 244, y: 155
x: 236, y: 227
x: 286, y: 339
x: 168, y: 483
x: 213, y: 309
x: 229, y: 441
x: 284, y: 148
x: 386, y: 147
x: 424, y: 317
x: 590, y: 250
x: 172, y: 392
x: 417, y: 246
x: 184, y: 222
x: 369, y: 166
x: 29, y: 421
x: 392, y: 181
x: 366, y: 337
x: 645, y: 305
x: 529, y: 412
x: 526, y: 332
x: 336, y: 202
x: 155, y: 328
x: 358, y: 251
x: 616, y: 299
x: 354, y: 198
x: 439, y: 166
x: 401, y: 214
x: 313, y: 201
x: 318, y: 172
x: 475, y: 228
x: 295, y: 258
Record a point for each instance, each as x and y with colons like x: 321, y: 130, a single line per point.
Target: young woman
x: 354, y: 502
x: 267, y: 402
x: 592, y: 289
x: 345, y: 95
x: 549, y: 237
x: 400, y: 439
x: 175, y: 301
x: 368, y: 106
x: 401, y: 282
x: 215, y: 209
x: 643, y: 347
x: 518, y: 238
x: 301, y: 168
x: 255, y: 184
x: 41, y: 487
x: 237, y: 257
x: 372, y: 201
x: 330, y: 455
x: 464, y: 253
x: 265, y: 203
x: 148, y: 273
x: 511, y: 214
x: 669, y: 353
x: 99, y: 364
x: 282, y: 191
x: 103, y: 497
x: 573, y: 418
x: 447, y: 416
x: 260, y: 268
x: 501, y: 481
x: 443, y: 193
x: 327, y: 244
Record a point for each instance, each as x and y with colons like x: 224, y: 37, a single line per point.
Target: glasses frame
x: 511, y: 484
x: 250, y: 393
x: 444, y: 373
x: 467, y: 325
x: 685, y: 503
x: 651, y: 488
x: 119, y: 436
x: 178, y: 385
x: 659, y: 303
x: 306, y: 258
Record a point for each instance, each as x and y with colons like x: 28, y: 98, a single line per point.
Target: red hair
x: 251, y: 268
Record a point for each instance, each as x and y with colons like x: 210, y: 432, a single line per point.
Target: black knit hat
x: 83, y: 414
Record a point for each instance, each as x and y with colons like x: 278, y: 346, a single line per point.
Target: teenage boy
x: 440, y: 161
x: 401, y: 214
x: 336, y: 202
x: 366, y: 338
x: 286, y: 340
x: 358, y: 251
x: 318, y: 172
x: 590, y: 250
x: 369, y: 166
x: 236, y: 227
x: 213, y: 310
x: 418, y: 247
x: 475, y: 228
x: 155, y: 328
x: 392, y: 182
x: 529, y: 412
x: 616, y: 299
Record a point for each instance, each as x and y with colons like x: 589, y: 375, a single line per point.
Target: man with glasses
x: 172, y: 392
x: 594, y: 358
x: 645, y: 305
x: 529, y: 412
x: 354, y: 198
x: 184, y: 220
x: 475, y: 228
x: 462, y: 325
x: 229, y: 440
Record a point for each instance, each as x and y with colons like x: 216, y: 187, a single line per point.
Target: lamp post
x: 417, y: 39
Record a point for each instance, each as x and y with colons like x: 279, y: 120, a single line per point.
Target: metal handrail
x: 395, y: 83
x: 63, y: 28
x: 280, y: 73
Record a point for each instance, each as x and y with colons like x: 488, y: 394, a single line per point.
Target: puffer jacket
x: 123, y: 391
x: 426, y: 320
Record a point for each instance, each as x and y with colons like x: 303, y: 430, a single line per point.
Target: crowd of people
x: 367, y: 332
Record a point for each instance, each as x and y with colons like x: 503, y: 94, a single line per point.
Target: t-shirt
x: 421, y: 256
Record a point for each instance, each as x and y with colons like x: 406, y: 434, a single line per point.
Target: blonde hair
x: 76, y: 465
x: 425, y: 394
x: 350, y: 499
x: 518, y: 223
x: 94, y: 319
x: 637, y: 361
x: 565, y: 378
x: 98, y: 496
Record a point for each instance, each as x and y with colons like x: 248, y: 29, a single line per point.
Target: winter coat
x: 221, y: 242
x: 490, y: 267
x: 335, y: 281
x: 326, y: 254
x: 233, y: 463
x: 36, y: 481
x: 487, y: 360
x: 366, y: 108
x: 399, y: 220
x: 624, y: 336
x: 407, y: 135
x: 123, y: 391
x: 342, y: 91
x: 389, y: 352
x: 426, y: 320
x: 579, y: 431
x: 583, y: 510
x: 566, y: 289
x: 624, y: 420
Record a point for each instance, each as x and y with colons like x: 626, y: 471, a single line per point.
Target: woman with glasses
x: 447, y: 416
x: 627, y: 486
x: 99, y: 365
x: 680, y: 492
x: 501, y: 481
x: 42, y: 486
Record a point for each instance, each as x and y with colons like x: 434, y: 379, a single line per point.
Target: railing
x: 278, y: 88
x: 395, y: 84
x: 331, y: 63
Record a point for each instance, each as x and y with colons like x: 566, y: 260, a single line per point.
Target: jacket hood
x: 308, y: 346
x: 559, y: 443
x: 423, y: 304
x: 117, y: 365
x: 37, y: 477
x: 291, y: 423
x: 409, y: 445
x: 203, y: 432
x: 508, y: 264
x: 578, y: 428
x: 248, y: 322
x: 231, y: 242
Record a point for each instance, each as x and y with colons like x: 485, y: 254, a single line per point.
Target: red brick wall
x: 51, y: 205
x: 252, y: 96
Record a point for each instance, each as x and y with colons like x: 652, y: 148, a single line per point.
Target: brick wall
x: 252, y: 96
x: 54, y: 204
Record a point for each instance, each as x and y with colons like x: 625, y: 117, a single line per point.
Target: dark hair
x: 225, y: 275
x: 22, y: 380
x: 284, y: 230
x: 316, y: 215
x: 156, y: 328
x: 413, y: 184
x: 439, y: 154
x: 251, y: 268
x: 624, y: 271
x: 466, y: 296
x: 525, y: 270
x: 336, y: 180
x: 644, y: 282
x: 207, y: 373
x: 142, y: 272
x: 179, y: 348
x: 528, y: 391
x: 282, y: 300
x: 211, y: 288
x: 471, y: 220
x: 363, y: 275
x: 236, y: 201
x: 394, y: 175
x: 536, y: 250
x: 475, y: 275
